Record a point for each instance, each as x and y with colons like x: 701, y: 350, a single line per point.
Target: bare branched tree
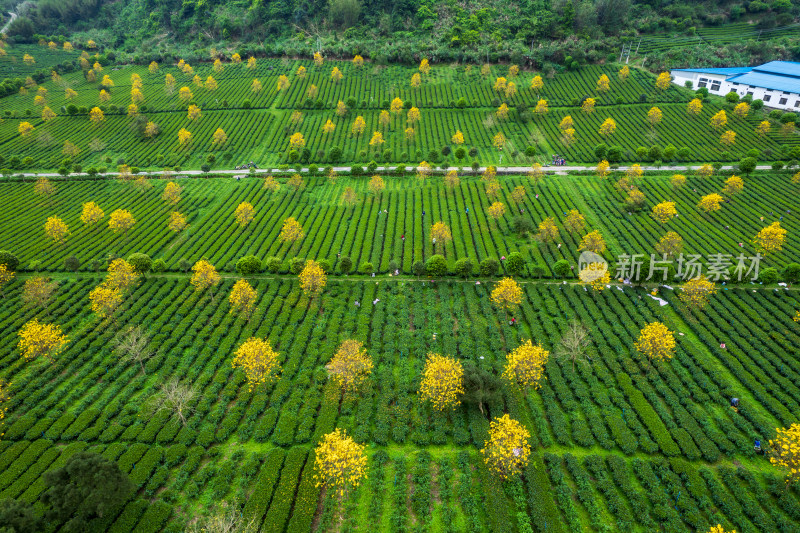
x: 174, y: 397
x: 574, y: 344
x: 223, y: 520
x: 132, y: 346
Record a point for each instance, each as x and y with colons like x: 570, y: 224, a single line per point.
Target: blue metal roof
x: 768, y: 81
x: 781, y: 68
x: 723, y: 71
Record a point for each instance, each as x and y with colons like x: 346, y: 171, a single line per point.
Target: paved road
x: 11, y: 20
x: 500, y: 170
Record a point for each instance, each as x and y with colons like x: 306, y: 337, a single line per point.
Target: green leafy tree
x: 481, y: 386
x: 515, y: 263
x: 19, y: 517
x: 88, y: 486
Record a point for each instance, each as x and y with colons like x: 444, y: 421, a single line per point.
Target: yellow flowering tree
x: 770, y: 239
x: 670, y: 244
x: 664, y: 211
x: 172, y: 193
x: 291, y: 231
x: 359, y: 125
x: 340, y: 463
x: 537, y: 84
x: 575, y: 221
x: 204, y: 277
x: 271, y: 184
x: 451, y: 179
x: 697, y: 292
x: 424, y: 66
x: 193, y: 112
x: 244, y: 214
x: 548, y: 231
x: 602, y: 169
x: 358, y: 61
x: 297, y: 141
x: 785, y: 452
x: 457, y: 138
x: 336, y: 75
x: 25, y: 129
x: 741, y: 109
x: 588, y: 106
x: 376, y: 140
x: 416, y: 80
x: 507, y: 450
x: 376, y: 185
x: 624, y: 73
x: 603, y: 84
x: 312, y: 279
x: 507, y: 295
x: 105, y: 299
x: 442, y: 382
x: 593, y: 242
x: 541, y: 107
x: 121, y: 221
x: 525, y: 365
x: 121, y: 274
x: 694, y: 107
x: 6, y: 275
x: 184, y: 136
x: 502, y: 111
x: 56, y: 229
x: 48, y: 114
x: 39, y: 339
x: 328, y: 127
x: 608, y: 127
x: 654, y: 116
x: 728, y: 138
x: 177, y: 222
x: 677, y: 181
x: 91, y: 213
x: 413, y: 115
x: 96, y: 116
x: 318, y: 59
x: 219, y: 138
x: 663, y: 80
x: 656, y: 342
x: 260, y: 363
x: 705, y: 171
x: 719, y: 119
x: 44, y: 187
x: 256, y: 86
x: 710, y: 203
x: 341, y: 109
x: 283, y: 82
x: 763, y: 128
x: 733, y: 186
x: 595, y: 275
x: 350, y: 366
x: 440, y: 234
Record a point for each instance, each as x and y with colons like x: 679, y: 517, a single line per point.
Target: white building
x: 776, y: 83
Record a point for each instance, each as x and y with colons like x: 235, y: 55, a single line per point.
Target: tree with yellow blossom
x: 341, y: 109
x: 502, y: 111
x: 359, y: 125
x: 6, y: 276
x: 593, y: 242
x: 507, y: 295
x: 719, y: 120
x: 172, y: 193
x: 541, y: 107
x: 705, y: 170
x: 193, y: 112
x: 416, y: 80
x: 336, y: 75
x: 537, y: 84
x: 500, y: 85
x: 442, y: 382
x: 457, y: 138
x: 548, y: 231
x: 656, y: 342
x: 219, y: 138
x: 525, y: 365
x: 204, y: 277
x: 312, y: 279
x: 677, y: 181
x: 376, y: 140
x: 152, y: 67
x: 694, y: 107
x: 297, y: 141
x: 350, y: 366
x: 588, y: 106
x: 121, y: 221
x: 624, y: 73
x: 384, y: 118
x: 358, y: 61
x: 259, y: 362
x: 741, y: 109
x: 507, y: 450
x: 184, y: 136
x: 283, y: 82
x: 575, y: 221
x: 340, y: 464
x: 602, y: 169
x: 244, y: 214
x: 39, y: 339
x: 451, y: 179
x: 728, y: 138
x: 105, y: 299
x: 96, y: 116
x: 48, y: 114
x: 763, y: 128
x: 424, y: 66
x: 376, y: 185
x: 440, y: 234
x: 291, y: 231
x: 785, y: 452
x: 25, y: 129
x: 663, y: 212
x: 663, y: 80
x: 91, y: 213
x: 328, y: 127
x: 44, y: 187
x: 499, y: 141
x: 697, y: 292
x: 603, y: 84
x: 177, y: 222
x: 710, y: 203
x: 654, y: 116
x: 608, y: 127
x: 671, y: 244
x: 56, y: 229
x: 413, y: 115
x: 595, y: 275
x: 243, y: 299
x: 318, y: 59
x: 770, y: 239
x: 733, y: 186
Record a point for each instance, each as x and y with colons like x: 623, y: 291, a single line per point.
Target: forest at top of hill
x: 536, y: 33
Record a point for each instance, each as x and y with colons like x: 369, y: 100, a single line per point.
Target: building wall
x: 716, y: 84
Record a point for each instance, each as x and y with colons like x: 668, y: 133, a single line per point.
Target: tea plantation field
x: 390, y: 231
x: 617, y: 446
x: 258, y: 121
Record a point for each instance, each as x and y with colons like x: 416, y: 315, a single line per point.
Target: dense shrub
x: 489, y: 266
x: 140, y: 262
x: 248, y: 265
x: 515, y: 263
x: 463, y: 267
x: 436, y: 266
